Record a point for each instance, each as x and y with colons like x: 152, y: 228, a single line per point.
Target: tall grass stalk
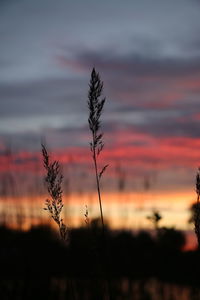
x: 95, y: 105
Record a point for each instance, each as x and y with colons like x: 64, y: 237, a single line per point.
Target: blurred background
x: 147, y: 54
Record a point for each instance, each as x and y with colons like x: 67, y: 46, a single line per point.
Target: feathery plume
x: 53, y: 181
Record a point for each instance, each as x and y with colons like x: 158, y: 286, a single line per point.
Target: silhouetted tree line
x: 40, y: 252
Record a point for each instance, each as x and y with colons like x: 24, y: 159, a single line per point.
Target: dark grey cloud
x: 42, y: 97
x: 157, y: 124
x: 29, y: 38
x: 135, y: 64
x: 169, y: 127
x: 147, y: 54
x: 146, y: 82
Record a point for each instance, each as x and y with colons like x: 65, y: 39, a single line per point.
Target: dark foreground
x: 37, y: 265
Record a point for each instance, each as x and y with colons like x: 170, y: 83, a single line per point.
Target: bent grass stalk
x: 53, y: 180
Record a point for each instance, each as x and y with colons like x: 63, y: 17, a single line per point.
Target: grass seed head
x: 53, y: 180
x: 95, y: 106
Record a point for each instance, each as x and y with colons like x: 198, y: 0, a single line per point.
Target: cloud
x: 148, y: 57
x: 42, y: 97
x: 136, y: 73
x: 135, y: 150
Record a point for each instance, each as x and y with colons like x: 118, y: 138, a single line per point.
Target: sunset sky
x: 148, y: 55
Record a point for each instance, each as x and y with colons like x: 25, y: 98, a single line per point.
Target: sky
x: 148, y: 56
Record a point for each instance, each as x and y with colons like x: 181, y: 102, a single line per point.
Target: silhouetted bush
x: 169, y: 239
